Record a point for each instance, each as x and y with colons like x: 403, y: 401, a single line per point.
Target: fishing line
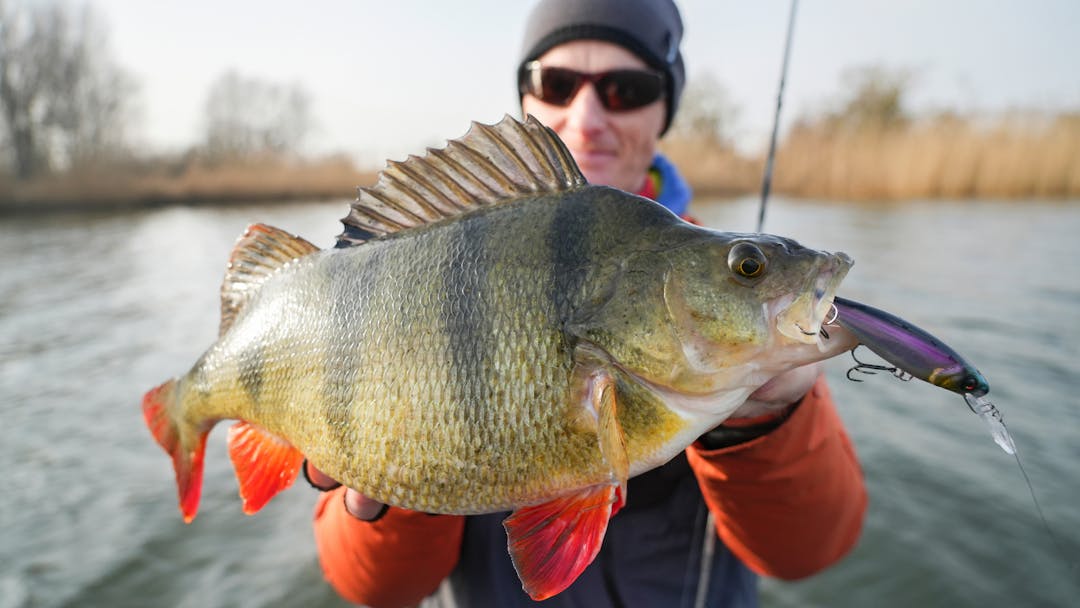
x: 988, y: 412
x: 766, y: 181
x: 1042, y: 516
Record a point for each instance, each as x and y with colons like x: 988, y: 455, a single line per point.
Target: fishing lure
x: 911, y: 349
x: 915, y: 353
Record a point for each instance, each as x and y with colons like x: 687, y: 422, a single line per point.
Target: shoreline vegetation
x: 1015, y: 157
x: 1019, y: 156
x: 266, y: 179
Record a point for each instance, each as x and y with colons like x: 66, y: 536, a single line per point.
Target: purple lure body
x: 909, y: 348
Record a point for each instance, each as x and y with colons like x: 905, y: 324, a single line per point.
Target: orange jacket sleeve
x: 791, y: 502
x: 395, y: 561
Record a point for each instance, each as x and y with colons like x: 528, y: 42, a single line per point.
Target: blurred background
x: 120, y: 103
x: 936, y: 143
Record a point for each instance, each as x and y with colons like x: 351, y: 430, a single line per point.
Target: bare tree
x: 706, y: 112
x: 247, y: 116
x: 876, y: 97
x: 63, y: 101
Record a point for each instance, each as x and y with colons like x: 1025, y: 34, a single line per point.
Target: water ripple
x: 99, y: 308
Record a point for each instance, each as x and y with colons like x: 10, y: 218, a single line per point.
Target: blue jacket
x: 675, y: 193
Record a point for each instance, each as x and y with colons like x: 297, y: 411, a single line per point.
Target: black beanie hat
x: 650, y: 29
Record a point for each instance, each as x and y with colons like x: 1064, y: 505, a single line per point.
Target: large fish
x: 493, y: 333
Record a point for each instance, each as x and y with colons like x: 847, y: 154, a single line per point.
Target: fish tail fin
x: 183, y: 442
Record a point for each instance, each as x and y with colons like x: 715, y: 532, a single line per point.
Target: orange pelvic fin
x: 552, y: 543
x: 265, y: 464
x: 184, y: 444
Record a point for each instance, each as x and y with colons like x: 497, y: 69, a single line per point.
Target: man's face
x: 611, y: 148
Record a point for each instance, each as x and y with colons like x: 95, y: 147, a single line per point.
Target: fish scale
x: 521, y: 341
x: 467, y: 388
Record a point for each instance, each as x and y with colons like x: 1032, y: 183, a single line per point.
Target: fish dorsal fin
x: 258, y: 253
x: 490, y: 165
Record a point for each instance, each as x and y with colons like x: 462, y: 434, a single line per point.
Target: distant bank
x: 119, y: 188
x: 942, y: 158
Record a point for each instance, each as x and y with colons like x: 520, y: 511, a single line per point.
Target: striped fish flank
x: 492, y: 333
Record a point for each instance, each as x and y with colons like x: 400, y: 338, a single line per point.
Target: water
x: 95, y: 309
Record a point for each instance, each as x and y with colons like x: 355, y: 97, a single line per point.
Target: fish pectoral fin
x: 265, y: 464
x: 551, y: 544
x: 610, y: 434
x: 597, y: 410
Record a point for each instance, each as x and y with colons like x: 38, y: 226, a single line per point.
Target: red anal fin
x: 552, y: 543
x: 264, y: 463
x: 185, y: 446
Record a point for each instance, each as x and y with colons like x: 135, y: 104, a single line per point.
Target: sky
x: 387, y: 79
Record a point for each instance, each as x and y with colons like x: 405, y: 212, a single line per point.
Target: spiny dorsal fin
x: 491, y: 164
x: 258, y: 253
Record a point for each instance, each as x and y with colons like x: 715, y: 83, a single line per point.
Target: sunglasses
x: 618, y: 90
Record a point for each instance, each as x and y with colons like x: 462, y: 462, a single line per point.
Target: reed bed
x: 1022, y: 156
x: 713, y: 168
x: 155, y: 184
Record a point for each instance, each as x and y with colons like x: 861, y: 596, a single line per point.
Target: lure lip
x: 911, y: 349
x: 994, y: 421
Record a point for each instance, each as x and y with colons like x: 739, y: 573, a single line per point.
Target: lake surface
x: 95, y: 309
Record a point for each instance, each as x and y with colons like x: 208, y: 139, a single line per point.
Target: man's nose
x: 585, y: 112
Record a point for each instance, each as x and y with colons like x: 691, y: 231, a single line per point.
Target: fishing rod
x: 767, y: 178
x: 708, y: 548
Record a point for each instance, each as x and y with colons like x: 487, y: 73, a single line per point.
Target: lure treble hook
x: 870, y: 369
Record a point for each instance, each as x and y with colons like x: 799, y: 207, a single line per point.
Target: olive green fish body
x: 433, y: 369
x: 492, y: 333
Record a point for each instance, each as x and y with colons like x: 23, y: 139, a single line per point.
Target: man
x: 778, y: 482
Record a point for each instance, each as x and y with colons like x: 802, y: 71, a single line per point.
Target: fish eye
x: 747, y: 260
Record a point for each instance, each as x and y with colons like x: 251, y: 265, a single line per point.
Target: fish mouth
x: 799, y: 318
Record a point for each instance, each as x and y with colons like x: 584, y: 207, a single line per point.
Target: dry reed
x: 251, y: 180
x: 1011, y: 158
x: 712, y: 168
